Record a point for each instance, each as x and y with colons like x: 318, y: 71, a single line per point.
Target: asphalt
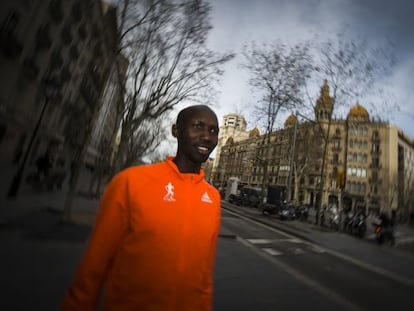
x: 40, y: 252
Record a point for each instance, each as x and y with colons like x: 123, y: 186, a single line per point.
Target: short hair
x: 186, y: 112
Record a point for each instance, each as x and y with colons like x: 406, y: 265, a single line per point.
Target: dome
x: 254, y: 133
x: 358, y: 112
x: 290, y: 121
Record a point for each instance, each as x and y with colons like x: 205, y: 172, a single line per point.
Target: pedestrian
x: 154, y: 241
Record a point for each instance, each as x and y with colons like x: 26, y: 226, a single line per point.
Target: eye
x: 214, y: 131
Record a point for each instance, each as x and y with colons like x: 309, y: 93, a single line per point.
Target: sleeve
x: 214, y: 242
x: 110, y: 226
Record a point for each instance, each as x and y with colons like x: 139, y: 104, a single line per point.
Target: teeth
x: 202, y: 149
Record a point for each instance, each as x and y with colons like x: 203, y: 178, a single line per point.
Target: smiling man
x: 154, y: 242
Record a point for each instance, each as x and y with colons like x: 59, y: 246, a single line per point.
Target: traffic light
x: 340, y: 179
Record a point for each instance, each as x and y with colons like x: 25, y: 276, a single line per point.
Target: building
x: 233, y: 126
x: 368, y: 162
x: 55, y: 57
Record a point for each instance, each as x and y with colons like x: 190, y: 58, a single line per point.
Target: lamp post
x: 50, y: 91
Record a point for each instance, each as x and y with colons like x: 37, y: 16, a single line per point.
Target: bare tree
x: 278, y: 73
x: 165, y: 42
x: 306, y: 156
x: 352, y: 69
x: 145, y: 141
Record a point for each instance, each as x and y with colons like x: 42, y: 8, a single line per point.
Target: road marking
x: 327, y: 292
x: 272, y: 251
x: 398, y: 278
x: 260, y: 241
x: 298, y: 251
x: 317, y: 249
x: 383, y: 272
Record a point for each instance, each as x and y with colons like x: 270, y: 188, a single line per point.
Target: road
x: 349, y: 282
x: 262, y: 265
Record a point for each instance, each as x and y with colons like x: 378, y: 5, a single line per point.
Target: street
x: 259, y: 266
x: 348, y: 282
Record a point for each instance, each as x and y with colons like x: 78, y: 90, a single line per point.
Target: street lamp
x: 50, y: 91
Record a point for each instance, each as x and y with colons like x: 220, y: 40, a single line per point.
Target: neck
x: 187, y: 166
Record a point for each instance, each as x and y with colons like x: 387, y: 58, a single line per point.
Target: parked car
x: 248, y: 196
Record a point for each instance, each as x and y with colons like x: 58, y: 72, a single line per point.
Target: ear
x: 174, y: 130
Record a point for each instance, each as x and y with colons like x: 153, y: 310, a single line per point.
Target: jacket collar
x: 196, y: 178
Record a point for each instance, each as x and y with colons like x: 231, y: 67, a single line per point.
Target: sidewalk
x: 404, y: 234
x: 39, y: 255
x: 29, y: 201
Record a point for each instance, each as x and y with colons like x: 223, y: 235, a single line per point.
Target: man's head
x: 196, y: 131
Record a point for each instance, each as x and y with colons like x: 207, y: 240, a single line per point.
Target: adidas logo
x: 205, y: 198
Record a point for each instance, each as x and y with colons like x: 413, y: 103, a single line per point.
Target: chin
x: 202, y: 158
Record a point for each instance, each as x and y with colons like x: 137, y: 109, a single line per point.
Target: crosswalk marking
x: 268, y: 241
x: 272, y: 251
x: 318, y: 249
x: 260, y: 241
x: 298, y: 251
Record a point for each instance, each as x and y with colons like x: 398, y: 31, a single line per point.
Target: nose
x: 205, y: 134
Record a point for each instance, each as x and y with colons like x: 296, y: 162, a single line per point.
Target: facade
x: 55, y: 57
x: 234, y: 127
x: 368, y: 163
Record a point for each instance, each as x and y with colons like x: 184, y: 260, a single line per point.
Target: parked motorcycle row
x: 355, y: 223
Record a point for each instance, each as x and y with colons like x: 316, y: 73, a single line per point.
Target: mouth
x: 203, y: 150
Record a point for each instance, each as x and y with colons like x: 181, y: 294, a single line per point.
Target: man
x: 154, y: 241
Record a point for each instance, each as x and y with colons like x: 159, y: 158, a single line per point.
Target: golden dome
x: 290, y: 121
x: 358, y: 112
x: 254, y: 133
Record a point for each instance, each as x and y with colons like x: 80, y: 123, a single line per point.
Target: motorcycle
x: 359, y: 225
x: 384, y: 234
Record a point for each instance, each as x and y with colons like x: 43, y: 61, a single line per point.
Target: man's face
x: 197, y: 136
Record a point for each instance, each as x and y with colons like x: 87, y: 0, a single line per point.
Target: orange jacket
x: 153, y: 245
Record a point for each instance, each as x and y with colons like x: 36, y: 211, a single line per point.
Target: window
x: 335, y: 158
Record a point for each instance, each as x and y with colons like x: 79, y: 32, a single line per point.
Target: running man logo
x: 169, y: 196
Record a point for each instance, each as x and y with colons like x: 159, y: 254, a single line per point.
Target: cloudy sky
x: 237, y: 22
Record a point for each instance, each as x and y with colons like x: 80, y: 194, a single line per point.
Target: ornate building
x: 234, y: 126
x: 369, y: 163
x: 56, y: 57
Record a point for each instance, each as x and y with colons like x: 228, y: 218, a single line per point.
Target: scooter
x: 383, y: 235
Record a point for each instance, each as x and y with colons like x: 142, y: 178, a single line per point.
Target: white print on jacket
x: 206, y: 198
x: 170, y: 193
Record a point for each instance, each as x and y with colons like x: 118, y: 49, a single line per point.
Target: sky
x: 239, y: 22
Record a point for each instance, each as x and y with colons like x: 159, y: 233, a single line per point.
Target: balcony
x: 76, y: 12
x: 65, y: 74
x: 73, y: 52
x: 55, y: 11
x: 66, y: 35
x: 43, y: 41
x: 31, y: 69
x: 10, y: 46
x: 56, y: 59
x: 88, y: 93
x: 82, y: 31
x: 96, y: 78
